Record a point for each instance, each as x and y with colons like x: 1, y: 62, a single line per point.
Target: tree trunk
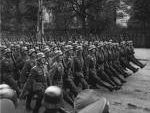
x: 18, y: 15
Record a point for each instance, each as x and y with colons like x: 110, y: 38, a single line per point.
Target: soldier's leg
x: 28, y: 100
x: 67, y: 98
x: 69, y: 83
x: 105, y: 77
x: 38, y: 102
x: 129, y: 66
x: 94, y: 79
x: 110, y: 74
x: 116, y: 74
x: 120, y: 70
x: 135, y: 61
x: 79, y: 78
x: 84, y: 83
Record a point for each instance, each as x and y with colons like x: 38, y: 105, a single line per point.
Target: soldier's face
x: 71, y: 52
x: 60, y: 58
x: 80, y: 51
x: 43, y: 60
x: 33, y: 54
x: 93, y: 51
x: 8, y: 54
x: 25, y: 52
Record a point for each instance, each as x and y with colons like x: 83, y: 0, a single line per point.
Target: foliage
x: 21, y: 15
x: 141, y: 12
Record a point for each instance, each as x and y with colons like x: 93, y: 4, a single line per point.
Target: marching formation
x: 73, y: 66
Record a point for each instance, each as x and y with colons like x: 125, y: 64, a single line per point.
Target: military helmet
x: 46, y: 50
x: 37, y: 48
x: 91, y: 47
x: 68, y: 47
x: 7, y: 93
x: 58, y: 53
x: 7, y: 51
x: 78, y: 48
x: 24, y: 48
x: 31, y: 51
x: 52, y: 96
x: 40, y: 55
x: 4, y: 86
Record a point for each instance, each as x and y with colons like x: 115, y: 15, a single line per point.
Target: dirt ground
x: 134, y: 97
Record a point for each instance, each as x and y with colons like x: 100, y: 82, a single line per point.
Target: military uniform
x: 36, y: 84
x: 78, y: 64
x: 57, y: 75
x: 131, y: 57
x: 93, y: 78
x: 7, y: 71
x: 100, y: 67
x: 29, y: 64
x: 124, y: 61
x: 68, y: 75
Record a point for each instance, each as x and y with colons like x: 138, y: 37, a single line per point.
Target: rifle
x: 17, y: 71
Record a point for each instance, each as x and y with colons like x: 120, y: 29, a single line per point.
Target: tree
x: 141, y: 12
x: 19, y: 13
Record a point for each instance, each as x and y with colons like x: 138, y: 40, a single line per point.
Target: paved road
x: 134, y: 97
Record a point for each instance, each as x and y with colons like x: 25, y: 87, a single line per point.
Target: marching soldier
x: 123, y: 58
x: 7, y: 70
x: 93, y: 78
x: 100, y: 66
x: 130, y: 53
x: 68, y: 70
x: 37, y: 82
x: 78, y: 64
x: 29, y: 64
x: 57, y: 75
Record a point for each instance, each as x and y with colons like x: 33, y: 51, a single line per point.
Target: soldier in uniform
x: 123, y: 58
x: 37, y: 81
x: 93, y: 78
x: 68, y: 70
x: 29, y: 64
x: 110, y: 62
x: 57, y: 75
x: 78, y: 64
x: 131, y: 57
x: 7, y: 70
x: 106, y: 66
x: 100, y: 66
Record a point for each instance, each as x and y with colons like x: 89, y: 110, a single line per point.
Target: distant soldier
x: 123, y: 58
x: 78, y: 64
x: 93, y: 78
x: 68, y: 70
x: 131, y: 57
x: 100, y: 66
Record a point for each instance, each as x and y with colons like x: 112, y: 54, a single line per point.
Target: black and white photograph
x: 75, y: 56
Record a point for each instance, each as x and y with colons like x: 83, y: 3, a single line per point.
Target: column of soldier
x: 73, y: 66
